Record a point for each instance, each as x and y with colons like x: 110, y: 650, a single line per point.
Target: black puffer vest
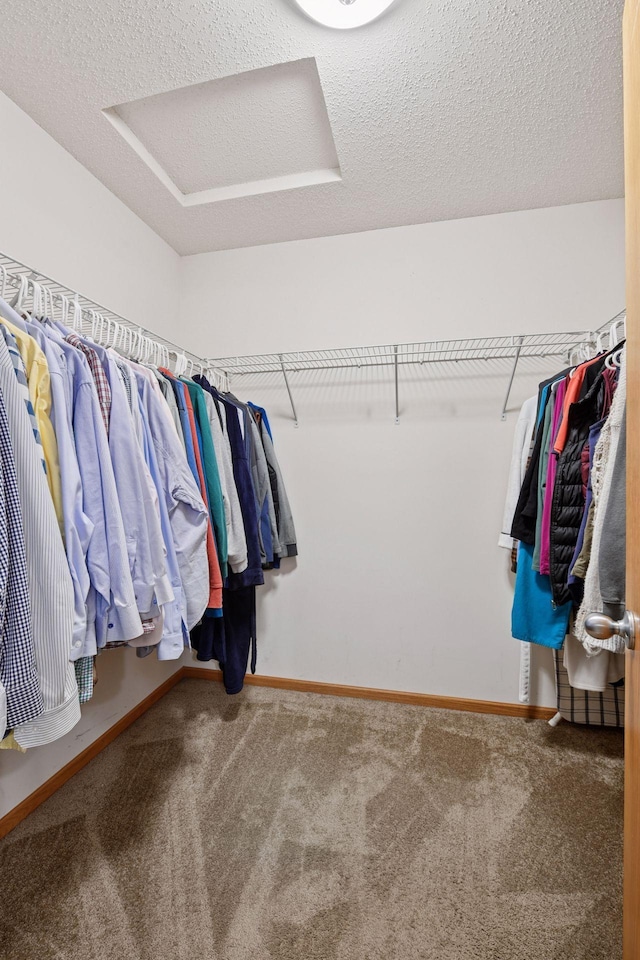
x: 567, y: 505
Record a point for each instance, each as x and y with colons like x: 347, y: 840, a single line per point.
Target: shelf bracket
x: 511, y: 378
x: 286, y: 383
x: 395, y: 368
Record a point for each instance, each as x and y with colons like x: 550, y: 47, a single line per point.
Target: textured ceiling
x: 438, y: 110
x: 250, y: 132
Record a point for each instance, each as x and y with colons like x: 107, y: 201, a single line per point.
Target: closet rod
x: 13, y: 274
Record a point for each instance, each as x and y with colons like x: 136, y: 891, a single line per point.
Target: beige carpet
x: 300, y: 827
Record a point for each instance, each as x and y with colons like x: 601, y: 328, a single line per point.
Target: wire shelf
x: 559, y: 346
x: 434, y: 351
x: 97, y: 320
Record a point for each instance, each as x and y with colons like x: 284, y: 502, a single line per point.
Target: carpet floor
x: 294, y: 826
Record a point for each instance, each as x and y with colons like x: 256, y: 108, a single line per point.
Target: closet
x: 318, y: 366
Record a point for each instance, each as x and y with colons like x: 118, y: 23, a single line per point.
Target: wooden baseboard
x: 15, y: 816
x: 523, y: 710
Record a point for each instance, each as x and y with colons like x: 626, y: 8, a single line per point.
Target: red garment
x: 572, y: 394
x: 215, y: 577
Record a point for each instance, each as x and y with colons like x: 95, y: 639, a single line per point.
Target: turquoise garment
x: 544, y: 396
x: 534, y: 619
x: 210, y: 470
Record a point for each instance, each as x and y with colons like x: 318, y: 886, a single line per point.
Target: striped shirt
x: 39, y: 383
x: 21, y: 376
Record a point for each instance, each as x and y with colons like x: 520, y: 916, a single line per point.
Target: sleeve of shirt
x: 519, y: 456
x: 169, y: 396
x: 78, y: 528
x: 107, y: 558
x: 286, y: 528
x: 266, y: 512
x: 188, y: 516
x: 138, y: 500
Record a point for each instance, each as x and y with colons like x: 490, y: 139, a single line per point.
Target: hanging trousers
x: 229, y: 638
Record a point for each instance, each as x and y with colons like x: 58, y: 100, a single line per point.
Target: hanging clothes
x: 562, y: 501
x: 605, y: 479
x: 136, y: 508
x: 50, y: 586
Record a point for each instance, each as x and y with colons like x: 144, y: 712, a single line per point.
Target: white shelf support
x: 511, y: 378
x: 286, y: 383
x: 395, y: 370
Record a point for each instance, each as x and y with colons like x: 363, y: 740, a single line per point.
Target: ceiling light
x: 344, y: 14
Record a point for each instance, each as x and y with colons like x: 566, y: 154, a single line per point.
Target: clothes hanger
x: 116, y: 334
x: 613, y: 332
x: 76, y: 318
x: 600, y: 341
x: 137, y: 346
x: 36, y: 300
x: 180, y: 364
x: 614, y: 359
x: 21, y: 294
x: 121, y: 339
x: 94, y: 323
x: 109, y: 332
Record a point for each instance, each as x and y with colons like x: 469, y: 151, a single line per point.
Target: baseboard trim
x: 29, y: 804
x: 49, y: 787
x: 522, y: 710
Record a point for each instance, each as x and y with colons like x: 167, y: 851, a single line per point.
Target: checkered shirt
x: 98, y: 374
x: 18, y: 672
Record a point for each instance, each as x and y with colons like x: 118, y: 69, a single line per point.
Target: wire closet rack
x: 558, y: 346
x: 103, y: 324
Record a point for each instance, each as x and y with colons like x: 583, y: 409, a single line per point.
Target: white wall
x: 399, y: 583
x: 56, y: 217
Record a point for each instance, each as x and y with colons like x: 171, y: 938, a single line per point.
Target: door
x: 631, y: 54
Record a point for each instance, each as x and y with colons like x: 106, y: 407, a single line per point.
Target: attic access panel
x: 256, y: 132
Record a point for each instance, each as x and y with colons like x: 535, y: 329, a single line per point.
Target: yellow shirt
x: 39, y: 381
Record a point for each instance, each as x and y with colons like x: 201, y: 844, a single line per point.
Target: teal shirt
x: 212, y: 477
